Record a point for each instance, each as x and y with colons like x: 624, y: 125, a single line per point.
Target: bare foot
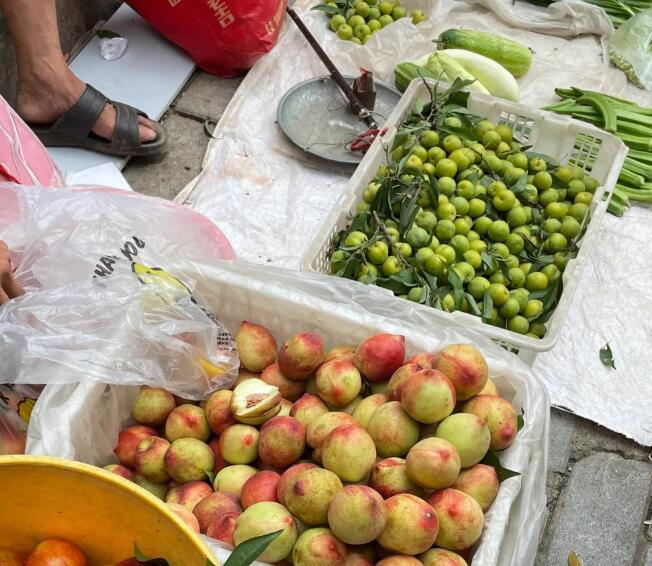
x: 43, y: 100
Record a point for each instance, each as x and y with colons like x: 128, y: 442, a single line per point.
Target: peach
x: 500, y: 417
x: 282, y: 441
x: 187, y: 421
x: 480, y: 482
x: 398, y: 379
x: 128, y: 441
x: 318, y: 547
x: 411, y: 527
x: 218, y: 411
x: 344, y: 352
x: 286, y: 478
x: 379, y: 356
x: 219, y: 461
x: 256, y: 346
x: 149, y: 459
x: 319, y: 428
x: 188, y: 459
x: 159, y: 490
x: 189, y: 494
x: 239, y: 444
x: 425, y: 359
x: 262, y: 419
x: 232, y: 478
x: 389, y: 477
x: 399, y: 560
x: 264, y: 518
x: 213, y: 506
x: 394, y: 431
x: 469, y: 434
x: 286, y: 407
x: 433, y: 463
x: 288, y: 389
x: 460, y: 519
x: 243, y: 375
x: 428, y: 396
x: 9, y: 557
x: 466, y: 367
x: 223, y: 527
x: 300, y: 356
x: 357, y: 559
x: 119, y: 470
x: 186, y: 516
x: 259, y: 487
x: 357, y: 514
x: 441, y: 557
x: 254, y: 399
x: 338, y: 382
x: 152, y: 406
x: 489, y: 388
x: 56, y: 551
x: 309, y: 493
x: 349, y: 452
x: 362, y: 413
x: 307, y: 408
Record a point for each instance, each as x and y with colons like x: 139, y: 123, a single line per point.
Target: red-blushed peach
x: 398, y: 379
x: 300, y: 356
x: 362, y: 413
x: 219, y: 461
x: 309, y: 493
x: 256, y: 346
x: 218, y: 411
x: 500, y: 417
x: 222, y: 528
x: 259, y: 487
x: 379, y: 356
x: 286, y: 478
x: 56, y: 552
x: 253, y: 400
x: 264, y: 518
x: 213, y: 506
x: 318, y: 429
x: 428, y: 396
x: 433, y: 463
x: 338, y: 382
x: 290, y: 390
x: 152, y: 406
x: 466, y: 367
x: 128, y: 441
x: 187, y: 421
x: 282, y: 441
x: 350, y: 452
x: 232, y: 478
x: 318, y: 547
x: 9, y: 557
x: 188, y: 459
x: 159, y: 490
x: 343, y: 352
x: 307, y: 408
x: 120, y: 470
x: 286, y: 407
x: 425, y: 359
x: 399, y: 560
x: 149, y: 459
x: 239, y: 444
x: 357, y: 514
x: 411, y: 527
x: 243, y: 375
x: 480, y: 482
x: 441, y: 557
x: 489, y: 388
x: 186, y: 516
x: 189, y: 494
x: 469, y: 434
x: 389, y: 477
x: 394, y: 431
x: 460, y: 519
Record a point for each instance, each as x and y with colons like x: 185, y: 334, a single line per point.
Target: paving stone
x: 562, y: 428
x: 590, y: 437
x: 164, y: 176
x: 207, y: 96
x: 600, y: 512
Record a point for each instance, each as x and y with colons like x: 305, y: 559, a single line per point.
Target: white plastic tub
x: 560, y: 137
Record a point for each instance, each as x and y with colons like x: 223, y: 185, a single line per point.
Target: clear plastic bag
x: 102, y: 302
x: 630, y: 49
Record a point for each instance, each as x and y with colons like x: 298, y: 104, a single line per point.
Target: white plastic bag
x: 99, y: 304
x: 86, y: 427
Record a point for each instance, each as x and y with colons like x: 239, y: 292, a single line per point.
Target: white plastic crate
x: 567, y: 140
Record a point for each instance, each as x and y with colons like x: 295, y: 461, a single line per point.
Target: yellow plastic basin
x: 100, y: 512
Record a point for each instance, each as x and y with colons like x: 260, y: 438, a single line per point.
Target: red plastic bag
x: 224, y: 37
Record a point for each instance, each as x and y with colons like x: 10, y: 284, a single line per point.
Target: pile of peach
x: 51, y: 552
x: 357, y: 455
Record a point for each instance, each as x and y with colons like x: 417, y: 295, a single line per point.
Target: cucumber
x: 405, y: 73
x: 454, y: 70
x: 515, y: 57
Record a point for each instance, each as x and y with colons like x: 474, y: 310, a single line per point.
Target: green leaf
x: 458, y: 286
x: 145, y: 560
x: 607, y: 357
x: 491, y: 459
x: 487, y: 306
x: 520, y: 420
x: 399, y: 283
x: 332, y: 10
x: 472, y: 304
x: 106, y: 34
x: 211, y: 476
x: 551, y: 163
x: 248, y: 551
x: 521, y: 185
